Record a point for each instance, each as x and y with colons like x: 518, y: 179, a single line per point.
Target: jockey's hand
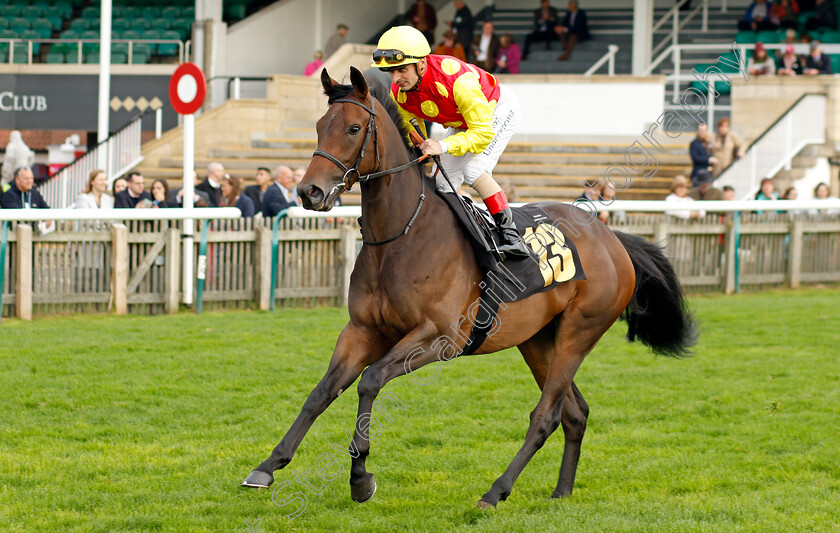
x: 431, y: 147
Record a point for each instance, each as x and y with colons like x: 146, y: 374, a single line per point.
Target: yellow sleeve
x: 477, y: 113
x: 407, y: 116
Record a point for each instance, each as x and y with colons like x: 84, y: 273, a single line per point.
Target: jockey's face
x: 407, y: 76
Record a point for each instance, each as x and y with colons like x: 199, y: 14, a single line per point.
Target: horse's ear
x: 326, y: 80
x: 359, y: 82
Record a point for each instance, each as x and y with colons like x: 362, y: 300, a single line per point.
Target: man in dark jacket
x: 574, y: 28
x: 212, y: 183
x: 817, y: 62
x: 21, y: 194
x: 485, y: 48
x: 700, y: 151
x: 278, y: 196
x: 545, y: 20
x: 463, y: 25
x: 256, y: 192
x: 133, y: 195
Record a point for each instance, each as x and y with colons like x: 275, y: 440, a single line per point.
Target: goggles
x: 391, y: 56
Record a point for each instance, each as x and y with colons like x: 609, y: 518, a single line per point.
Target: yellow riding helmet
x: 401, y: 45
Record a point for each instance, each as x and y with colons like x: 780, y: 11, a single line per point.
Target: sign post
x: 187, y: 89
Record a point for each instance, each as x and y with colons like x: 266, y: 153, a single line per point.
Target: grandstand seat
x: 150, y: 13
x: 19, y: 25
x: 4, y: 24
x: 120, y: 48
x: 65, y: 8
x: 769, y: 36
x: 183, y: 27
x: 42, y: 23
x: 21, y: 57
x: 79, y: 25
x: 835, y: 63
x: 130, y: 34
x: 120, y: 25
x: 140, y: 25
x: 90, y: 47
x: 91, y: 13
x: 90, y: 34
x: 171, y: 12
x: 131, y: 12
x: 745, y: 37
x: 8, y: 12
x: 92, y: 57
x: 152, y: 35
x: 830, y: 36
x: 727, y: 62
x: 56, y: 57
x: 118, y: 58
x: 31, y: 35
x: 30, y: 12
x: 143, y: 49
x: 139, y: 59
x: 160, y: 24
x: 720, y: 86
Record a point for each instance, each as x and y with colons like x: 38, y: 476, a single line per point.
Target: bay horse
x: 418, y: 274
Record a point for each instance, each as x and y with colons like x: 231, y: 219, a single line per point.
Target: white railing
x: 608, y: 58
x: 801, y: 125
x: 676, y: 24
x: 116, y: 155
x: 28, y: 45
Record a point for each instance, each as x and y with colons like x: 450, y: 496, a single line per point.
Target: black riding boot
x: 512, y: 244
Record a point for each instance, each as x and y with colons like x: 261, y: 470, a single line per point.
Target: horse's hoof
x: 258, y: 479
x: 363, y: 491
x: 485, y: 505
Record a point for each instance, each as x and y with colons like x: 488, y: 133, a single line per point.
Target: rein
x: 347, y: 182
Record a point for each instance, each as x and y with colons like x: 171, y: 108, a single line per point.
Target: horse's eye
x: 354, y: 129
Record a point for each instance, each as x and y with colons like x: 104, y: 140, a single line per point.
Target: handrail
x: 80, y: 42
x: 178, y: 213
x: 677, y: 25
x: 612, y: 50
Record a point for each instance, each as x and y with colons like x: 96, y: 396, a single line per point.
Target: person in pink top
x: 313, y: 66
x: 507, y: 61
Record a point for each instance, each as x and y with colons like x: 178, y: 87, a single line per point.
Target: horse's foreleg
x: 356, y: 348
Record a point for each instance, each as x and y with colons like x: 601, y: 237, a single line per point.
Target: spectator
x: 278, y: 196
x: 767, y: 190
x: 94, y: 196
x: 679, y: 194
x: 200, y: 198
x: 119, y: 186
x: 757, y: 17
x: 728, y: 193
x: 18, y: 155
x: 509, y: 57
x: 760, y: 64
x: 785, y: 13
x: 160, y: 194
x: 573, y: 29
x: 231, y: 197
x: 134, y: 195
x: 451, y: 47
x: 703, y: 189
x: 727, y: 146
x: 257, y: 192
x: 337, y: 39
x: 545, y: 20
x: 824, y: 17
x: 821, y: 192
x: 297, y: 176
x: 463, y: 24
x: 485, y: 47
x: 791, y: 194
x: 789, y: 64
x: 21, y: 194
x: 313, y: 66
x: 423, y: 17
x: 816, y: 62
x: 212, y: 184
x: 701, y: 152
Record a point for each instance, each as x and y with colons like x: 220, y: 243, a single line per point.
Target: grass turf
x: 150, y: 423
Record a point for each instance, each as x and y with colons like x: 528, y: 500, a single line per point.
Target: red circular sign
x: 187, y: 89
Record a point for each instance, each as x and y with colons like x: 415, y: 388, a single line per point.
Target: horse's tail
x: 658, y: 313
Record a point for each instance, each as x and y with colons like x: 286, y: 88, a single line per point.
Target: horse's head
x: 346, y: 142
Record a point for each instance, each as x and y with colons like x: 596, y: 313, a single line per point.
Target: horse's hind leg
x: 573, y: 416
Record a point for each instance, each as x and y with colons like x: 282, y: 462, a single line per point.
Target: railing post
x: 705, y: 15
x: 676, y: 60
x: 348, y: 260
x: 263, y: 277
x: 119, y: 257
x: 237, y: 85
x: 23, y: 289
x: 158, y: 122
x: 29, y: 51
x: 611, y: 61
x: 172, y: 271
x: 675, y: 31
x: 11, y: 51
x: 723, y: 6
x: 729, y: 258
x: 130, y: 50
x: 794, y: 272
x: 710, y: 108
x: 660, y: 233
x: 788, y: 141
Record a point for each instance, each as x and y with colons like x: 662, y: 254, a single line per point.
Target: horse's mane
x: 381, y: 93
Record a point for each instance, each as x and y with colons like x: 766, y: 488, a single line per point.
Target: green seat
x: 160, y: 24
x: 152, y: 35
x: 31, y: 35
x: 91, y: 13
x: 8, y: 12
x: 30, y: 12
x: 830, y: 36
x: 87, y: 48
x: 90, y: 34
x: 21, y: 57
x: 171, y: 12
x: 92, y: 57
x: 143, y: 49
x: 130, y: 34
x: 56, y: 57
x: 131, y: 12
x: 120, y: 25
x: 79, y: 25
x: 769, y: 36
x: 65, y: 8
x: 728, y: 63
x: 20, y: 24
x: 720, y: 86
x: 120, y: 48
x: 4, y: 24
x: 235, y: 12
x: 139, y: 59
x: 118, y: 58
x: 835, y: 63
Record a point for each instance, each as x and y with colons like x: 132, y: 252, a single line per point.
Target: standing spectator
x: 21, y: 194
x: 257, y: 192
x: 509, y: 56
x: 485, y: 48
x: 824, y: 17
x: 94, y: 196
x: 728, y: 193
x: 545, y: 20
x: 278, y: 196
x: 231, y: 197
x: 821, y: 192
x: 679, y: 194
x: 211, y: 185
x: 701, y: 152
x: 297, y: 177
x: 789, y: 64
x: 451, y: 47
x: 574, y: 28
x: 423, y: 17
x: 757, y: 17
x: 760, y: 64
x: 337, y: 39
x: 134, y: 195
x: 816, y: 62
x: 727, y: 146
x: 703, y: 189
x: 119, y: 186
x: 160, y: 194
x: 463, y: 24
x: 313, y: 66
x: 767, y: 190
x: 784, y: 14
x: 17, y: 155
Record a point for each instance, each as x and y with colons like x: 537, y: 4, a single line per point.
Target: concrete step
x: 236, y: 166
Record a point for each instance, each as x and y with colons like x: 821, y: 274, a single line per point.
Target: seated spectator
x: 757, y: 17
x: 278, y: 196
x: 821, y: 192
x: 789, y: 64
x: 703, y: 189
x: 790, y: 194
x: 94, y: 196
x: 784, y: 14
x: 767, y: 190
x: 728, y: 193
x: 545, y: 20
x: 485, y: 47
x: 573, y: 29
x: 119, y: 185
x: 824, y: 17
x: 133, y: 196
x: 422, y: 16
x: 211, y: 184
x: 256, y: 192
x: 760, y: 64
x: 231, y: 197
x: 509, y: 57
x: 21, y: 194
x: 816, y: 62
x: 313, y: 66
x: 679, y: 194
x: 451, y: 47
x: 700, y: 151
x: 462, y: 24
x: 727, y: 146
x: 160, y: 194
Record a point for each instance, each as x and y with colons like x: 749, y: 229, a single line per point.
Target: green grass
x: 150, y: 423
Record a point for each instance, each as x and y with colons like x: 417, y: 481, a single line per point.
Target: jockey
x: 481, y: 117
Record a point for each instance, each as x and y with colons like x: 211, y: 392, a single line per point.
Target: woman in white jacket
x: 679, y: 193
x: 94, y: 196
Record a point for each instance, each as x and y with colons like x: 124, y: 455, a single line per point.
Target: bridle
x: 347, y: 181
